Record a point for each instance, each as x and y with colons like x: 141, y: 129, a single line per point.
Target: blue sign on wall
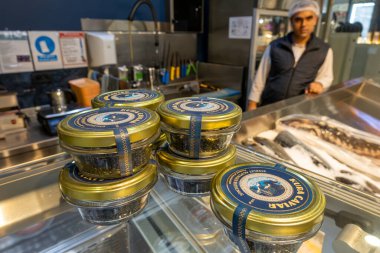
x: 44, y: 45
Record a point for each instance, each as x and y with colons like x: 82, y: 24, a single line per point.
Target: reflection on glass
x: 362, y: 13
x: 270, y: 28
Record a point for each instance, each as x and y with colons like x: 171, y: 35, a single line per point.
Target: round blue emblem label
x: 267, y: 189
x: 110, y: 118
x: 201, y: 106
x: 129, y: 96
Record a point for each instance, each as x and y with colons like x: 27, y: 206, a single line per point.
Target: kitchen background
x: 208, y: 42
x: 32, y: 87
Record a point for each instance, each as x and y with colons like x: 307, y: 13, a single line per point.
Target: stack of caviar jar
x: 267, y: 208
x: 198, y: 131
x: 112, y: 175
x: 141, y: 98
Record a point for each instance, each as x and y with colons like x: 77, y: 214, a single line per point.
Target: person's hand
x: 252, y: 105
x: 314, y: 88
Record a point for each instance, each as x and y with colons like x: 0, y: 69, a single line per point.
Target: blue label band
x: 238, y: 228
x: 195, y: 135
x: 123, y: 146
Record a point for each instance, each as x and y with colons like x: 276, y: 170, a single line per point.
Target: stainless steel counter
x: 34, y: 134
x: 28, y: 149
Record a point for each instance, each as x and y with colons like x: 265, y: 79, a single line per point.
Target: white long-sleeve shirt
x: 324, y: 76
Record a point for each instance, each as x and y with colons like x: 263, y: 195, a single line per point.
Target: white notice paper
x: 14, y: 52
x: 45, y: 50
x: 73, y: 48
x: 240, y: 27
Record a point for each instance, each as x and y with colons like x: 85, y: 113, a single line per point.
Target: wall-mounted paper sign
x: 14, y: 52
x: 45, y: 50
x: 73, y: 49
x: 240, y: 27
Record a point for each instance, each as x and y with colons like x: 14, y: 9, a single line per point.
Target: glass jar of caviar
x: 107, y: 201
x: 110, y: 142
x: 149, y: 99
x: 140, y: 98
x: 192, y: 176
x: 199, y: 127
x: 267, y: 208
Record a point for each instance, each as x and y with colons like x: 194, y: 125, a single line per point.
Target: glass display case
x: 34, y: 218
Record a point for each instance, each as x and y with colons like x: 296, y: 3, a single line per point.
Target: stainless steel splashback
x: 143, y: 47
x: 116, y: 25
x: 221, y: 49
x: 136, y: 40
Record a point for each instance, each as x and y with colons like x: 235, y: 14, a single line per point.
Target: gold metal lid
x: 214, y: 113
x: 150, y: 99
x: 79, y: 187
x: 203, y: 166
x: 98, y: 127
x: 280, y: 201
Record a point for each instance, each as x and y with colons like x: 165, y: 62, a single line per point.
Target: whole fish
x: 267, y: 147
x: 252, y: 144
x: 277, y: 149
x: 362, y: 164
x: 323, y: 163
x: 286, y: 139
x: 359, y: 183
x: 335, y: 132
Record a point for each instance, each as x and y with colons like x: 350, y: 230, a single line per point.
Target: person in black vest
x: 295, y: 64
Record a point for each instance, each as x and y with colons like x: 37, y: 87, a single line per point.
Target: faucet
x: 131, y: 17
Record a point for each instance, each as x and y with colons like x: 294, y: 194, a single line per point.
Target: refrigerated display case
x: 34, y: 218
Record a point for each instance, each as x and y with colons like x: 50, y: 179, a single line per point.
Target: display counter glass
x: 34, y: 218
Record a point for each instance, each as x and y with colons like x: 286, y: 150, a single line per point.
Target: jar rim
x: 108, y: 203
x: 219, y: 114
x: 200, y: 166
x: 76, y: 186
x: 107, y: 150
x: 97, y: 128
